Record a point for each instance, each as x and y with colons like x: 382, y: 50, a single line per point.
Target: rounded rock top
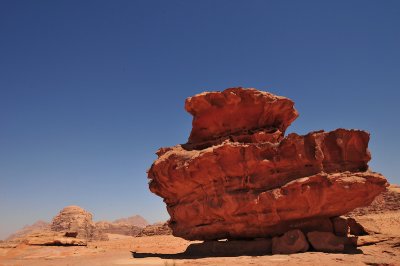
x: 73, y: 208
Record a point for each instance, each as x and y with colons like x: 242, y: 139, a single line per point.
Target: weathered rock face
x: 291, y: 242
x: 239, y: 177
x: 77, y: 221
x: 237, y: 112
x: 328, y: 242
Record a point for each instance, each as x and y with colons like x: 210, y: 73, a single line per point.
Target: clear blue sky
x: 89, y: 90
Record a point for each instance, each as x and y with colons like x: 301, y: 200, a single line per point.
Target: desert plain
x: 380, y: 247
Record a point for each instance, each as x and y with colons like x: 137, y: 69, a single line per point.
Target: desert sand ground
x: 381, y: 247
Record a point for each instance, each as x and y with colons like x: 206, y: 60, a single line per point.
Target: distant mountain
x: 156, y: 229
x: 118, y: 228
x: 37, y: 226
x: 135, y: 220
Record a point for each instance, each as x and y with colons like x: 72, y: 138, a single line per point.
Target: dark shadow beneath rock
x: 232, y: 248
x: 71, y: 234
x: 356, y: 228
x: 236, y: 248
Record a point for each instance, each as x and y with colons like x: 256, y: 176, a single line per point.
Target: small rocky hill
x: 76, y: 221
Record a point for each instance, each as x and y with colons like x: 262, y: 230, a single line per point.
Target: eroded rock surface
x: 77, y: 221
x: 239, y: 177
x: 291, y: 242
x: 329, y: 242
x: 215, y: 115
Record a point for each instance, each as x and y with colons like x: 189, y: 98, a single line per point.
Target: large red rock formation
x: 239, y: 177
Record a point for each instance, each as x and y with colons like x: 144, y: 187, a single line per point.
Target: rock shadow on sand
x: 210, y: 249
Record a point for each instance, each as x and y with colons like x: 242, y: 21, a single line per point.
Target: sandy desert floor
x: 381, y: 247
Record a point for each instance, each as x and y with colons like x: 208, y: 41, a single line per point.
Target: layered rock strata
x: 238, y: 177
x: 249, y: 115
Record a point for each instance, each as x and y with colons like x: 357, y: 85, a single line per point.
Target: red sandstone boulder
x: 345, y: 226
x: 227, y: 182
x: 238, y: 112
x: 291, y: 242
x: 328, y: 242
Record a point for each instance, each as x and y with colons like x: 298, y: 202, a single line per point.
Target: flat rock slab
x: 51, y: 238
